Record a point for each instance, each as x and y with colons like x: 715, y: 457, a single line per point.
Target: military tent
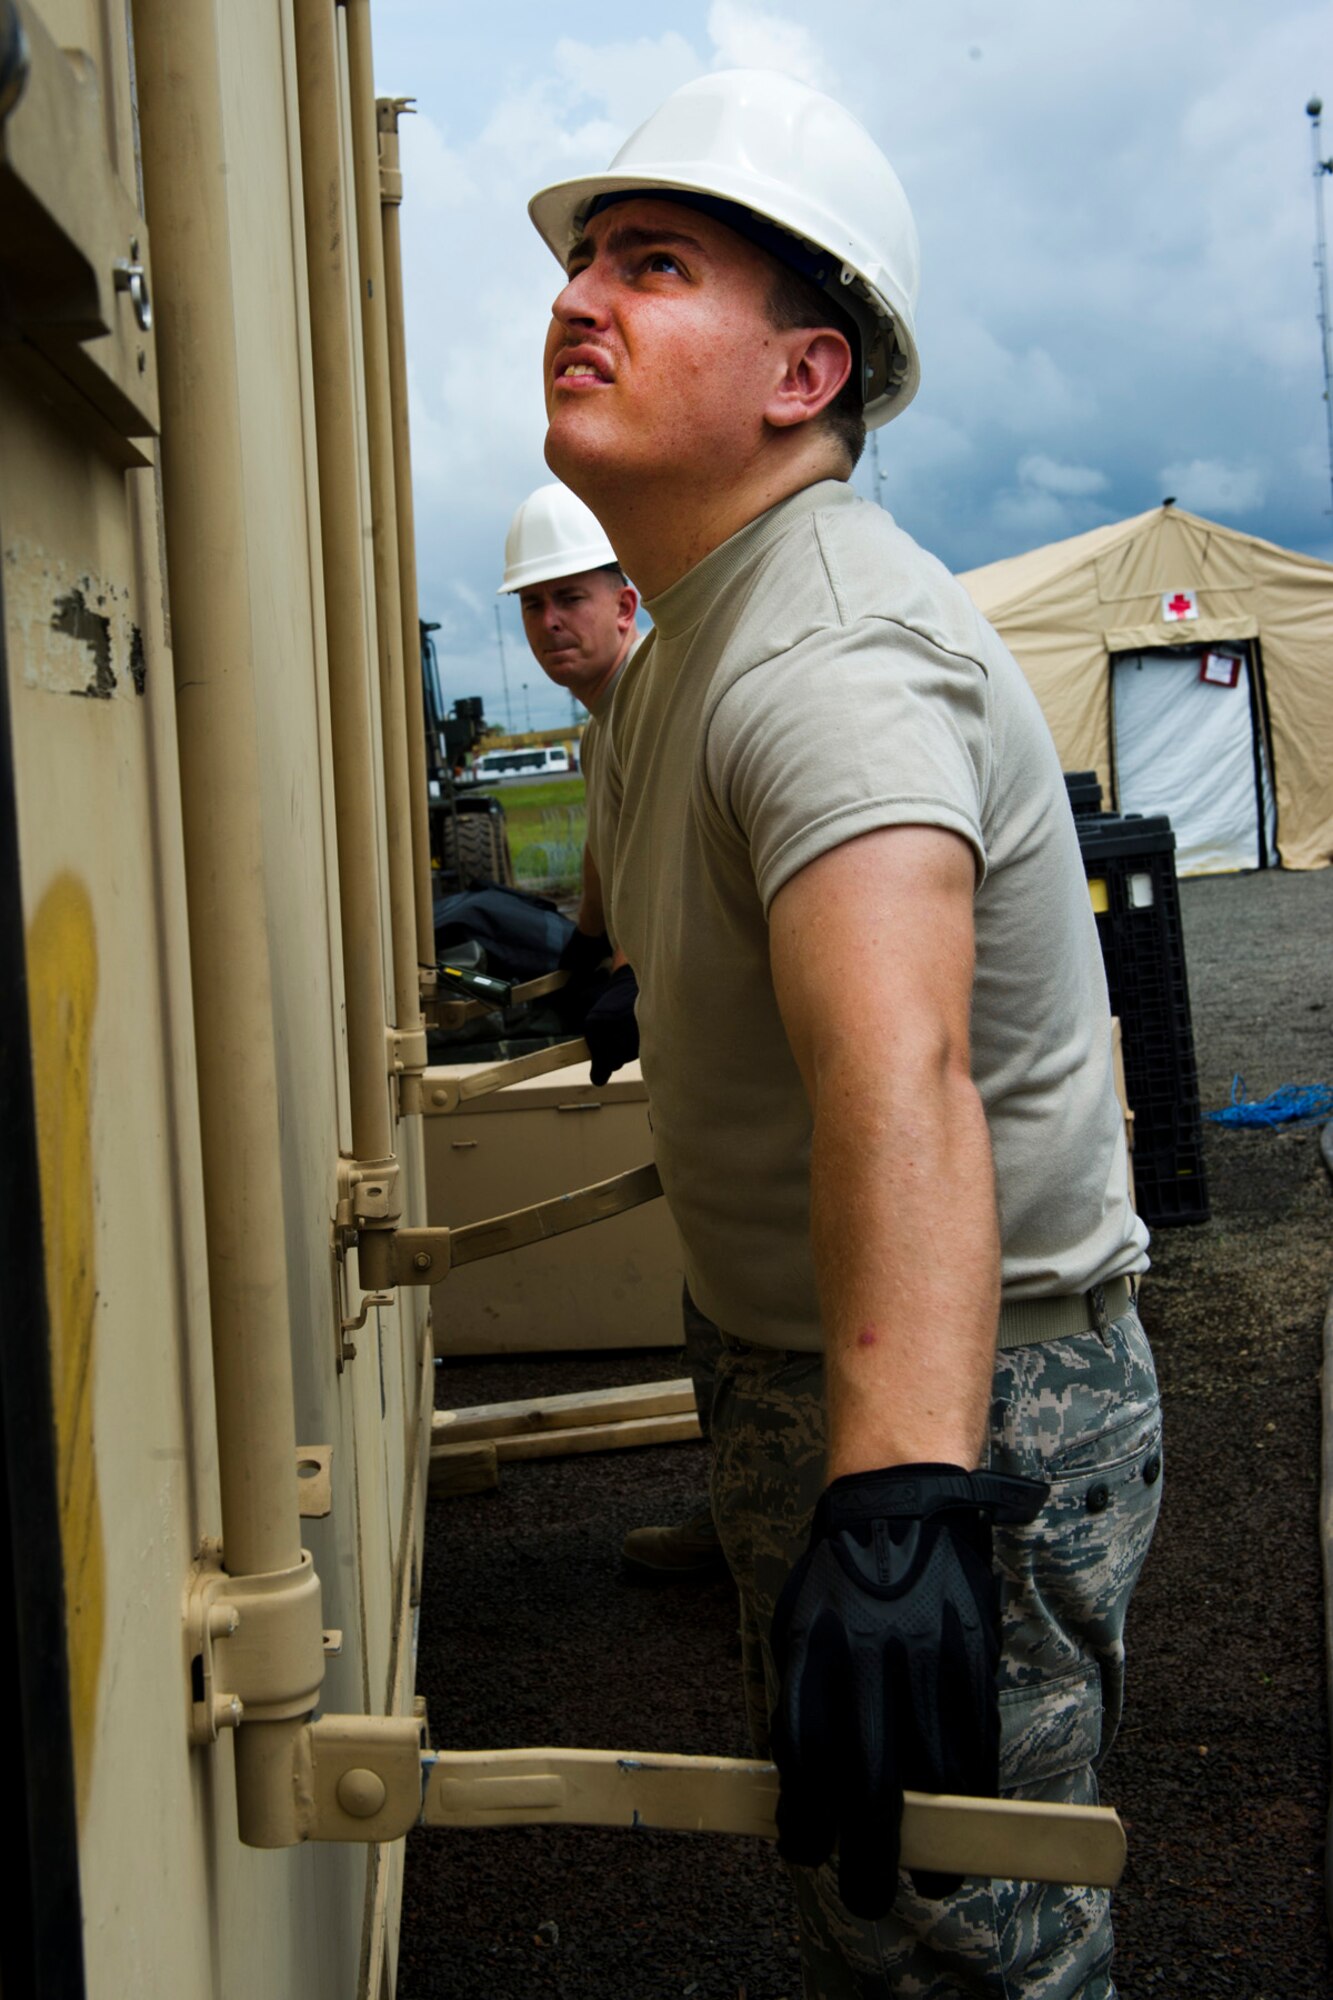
x: 1192, y: 667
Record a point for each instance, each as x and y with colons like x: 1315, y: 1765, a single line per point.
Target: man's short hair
x: 615, y: 572
x: 797, y: 301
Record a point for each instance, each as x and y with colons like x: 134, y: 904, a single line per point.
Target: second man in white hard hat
x: 577, y: 604
x: 578, y: 612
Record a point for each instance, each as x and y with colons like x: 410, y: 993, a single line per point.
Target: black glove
x: 582, y: 957
x: 887, y: 1640
x: 610, y: 1030
x: 583, y: 954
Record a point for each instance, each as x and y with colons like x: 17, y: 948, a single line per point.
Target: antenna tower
x: 504, y: 671
x: 1321, y: 167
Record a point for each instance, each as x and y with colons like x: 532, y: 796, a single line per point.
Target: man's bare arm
x: 872, y: 957
x: 591, y: 918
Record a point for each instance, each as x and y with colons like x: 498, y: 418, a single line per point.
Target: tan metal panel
x: 172, y: 1901
x: 121, y: 1141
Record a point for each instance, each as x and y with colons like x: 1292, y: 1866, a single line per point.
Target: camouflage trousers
x: 1082, y: 1412
x: 703, y: 1353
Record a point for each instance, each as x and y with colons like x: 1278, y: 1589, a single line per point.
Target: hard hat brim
x: 545, y: 569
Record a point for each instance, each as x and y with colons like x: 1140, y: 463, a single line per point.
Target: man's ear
x: 626, y: 607
x: 819, y: 361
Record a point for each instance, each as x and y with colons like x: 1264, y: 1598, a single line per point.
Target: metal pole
x: 391, y: 195
x: 185, y: 183
x: 334, y: 384
x: 384, y: 522
x: 504, y: 671
x: 1321, y: 167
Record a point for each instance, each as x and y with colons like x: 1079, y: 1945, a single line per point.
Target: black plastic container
x: 1085, y: 794
x: 1130, y: 863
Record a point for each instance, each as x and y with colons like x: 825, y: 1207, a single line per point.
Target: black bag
x: 522, y: 936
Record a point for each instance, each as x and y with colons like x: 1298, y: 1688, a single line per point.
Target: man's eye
x: 661, y: 260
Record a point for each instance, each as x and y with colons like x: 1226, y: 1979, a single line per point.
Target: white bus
x: 545, y: 759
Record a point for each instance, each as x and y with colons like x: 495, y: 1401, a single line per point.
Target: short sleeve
x: 859, y: 726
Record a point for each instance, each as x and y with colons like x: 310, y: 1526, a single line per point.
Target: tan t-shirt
x: 599, y: 715
x: 816, y: 677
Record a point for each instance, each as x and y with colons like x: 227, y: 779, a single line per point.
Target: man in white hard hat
x: 577, y: 604
x: 834, y: 842
x: 578, y: 613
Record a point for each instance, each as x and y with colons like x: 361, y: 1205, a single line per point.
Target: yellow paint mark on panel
x: 62, y: 997
x: 1101, y: 901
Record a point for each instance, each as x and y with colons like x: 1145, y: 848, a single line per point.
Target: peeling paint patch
x: 70, y: 631
x: 93, y: 628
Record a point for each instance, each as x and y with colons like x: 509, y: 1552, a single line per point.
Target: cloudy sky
x: 1118, y: 296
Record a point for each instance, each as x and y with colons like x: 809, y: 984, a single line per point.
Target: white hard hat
x: 552, y: 534
x: 789, y: 156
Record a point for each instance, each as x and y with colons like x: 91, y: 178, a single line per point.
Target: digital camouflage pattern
x: 1083, y: 1413
x: 703, y: 1352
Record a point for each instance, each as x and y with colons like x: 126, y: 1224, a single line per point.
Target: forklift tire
x: 481, y: 853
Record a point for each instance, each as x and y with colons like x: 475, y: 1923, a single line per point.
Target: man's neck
x: 661, y: 529
x: 590, y: 701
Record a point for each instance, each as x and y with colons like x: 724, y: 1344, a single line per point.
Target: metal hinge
x: 367, y: 1195
x: 256, y: 1644
x: 406, y: 1056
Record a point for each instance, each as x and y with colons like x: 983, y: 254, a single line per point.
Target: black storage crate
x: 1130, y: 863
x: 1085, y: 794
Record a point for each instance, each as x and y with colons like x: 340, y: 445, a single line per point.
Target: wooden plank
x: 677, y: 1427
x: 1007, y: 1838
x: 543, y: 1413
x: 674, y: 1427
x: 464, y: 1468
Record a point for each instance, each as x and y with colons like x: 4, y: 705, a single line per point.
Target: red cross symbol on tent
x: 1179, y: 604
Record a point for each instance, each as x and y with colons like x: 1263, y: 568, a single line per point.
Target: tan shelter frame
x: 1066, y: 610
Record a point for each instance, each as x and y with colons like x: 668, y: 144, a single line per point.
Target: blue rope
x: 1292, y: 1104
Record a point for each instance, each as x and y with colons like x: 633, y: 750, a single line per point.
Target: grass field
x: 546, y: 831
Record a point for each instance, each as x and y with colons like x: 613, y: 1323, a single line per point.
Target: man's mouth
x: 582, y: 369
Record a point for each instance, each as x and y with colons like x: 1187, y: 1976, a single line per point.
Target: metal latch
x: 425, y: 1256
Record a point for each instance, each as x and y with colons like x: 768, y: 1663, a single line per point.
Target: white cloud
x: 628, y: 79
x: 441, y: 176
x: 466, y: 595
x: 1114, y: 212
x: 750, y: 38
x: 987, y: 384
x: 1050, y: 475
x: 1209, y: 486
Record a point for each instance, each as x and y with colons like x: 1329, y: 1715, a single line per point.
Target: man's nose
x: 581, y: 302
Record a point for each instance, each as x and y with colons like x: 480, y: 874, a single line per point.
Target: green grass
x: 521, y: 800
x: 547, y: 824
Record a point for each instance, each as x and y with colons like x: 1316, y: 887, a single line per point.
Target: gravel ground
x: 530, y: 1633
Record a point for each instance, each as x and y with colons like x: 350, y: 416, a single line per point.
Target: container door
x: 1186, y: 744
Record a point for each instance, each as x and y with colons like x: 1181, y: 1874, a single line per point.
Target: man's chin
x: 575, y: 454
